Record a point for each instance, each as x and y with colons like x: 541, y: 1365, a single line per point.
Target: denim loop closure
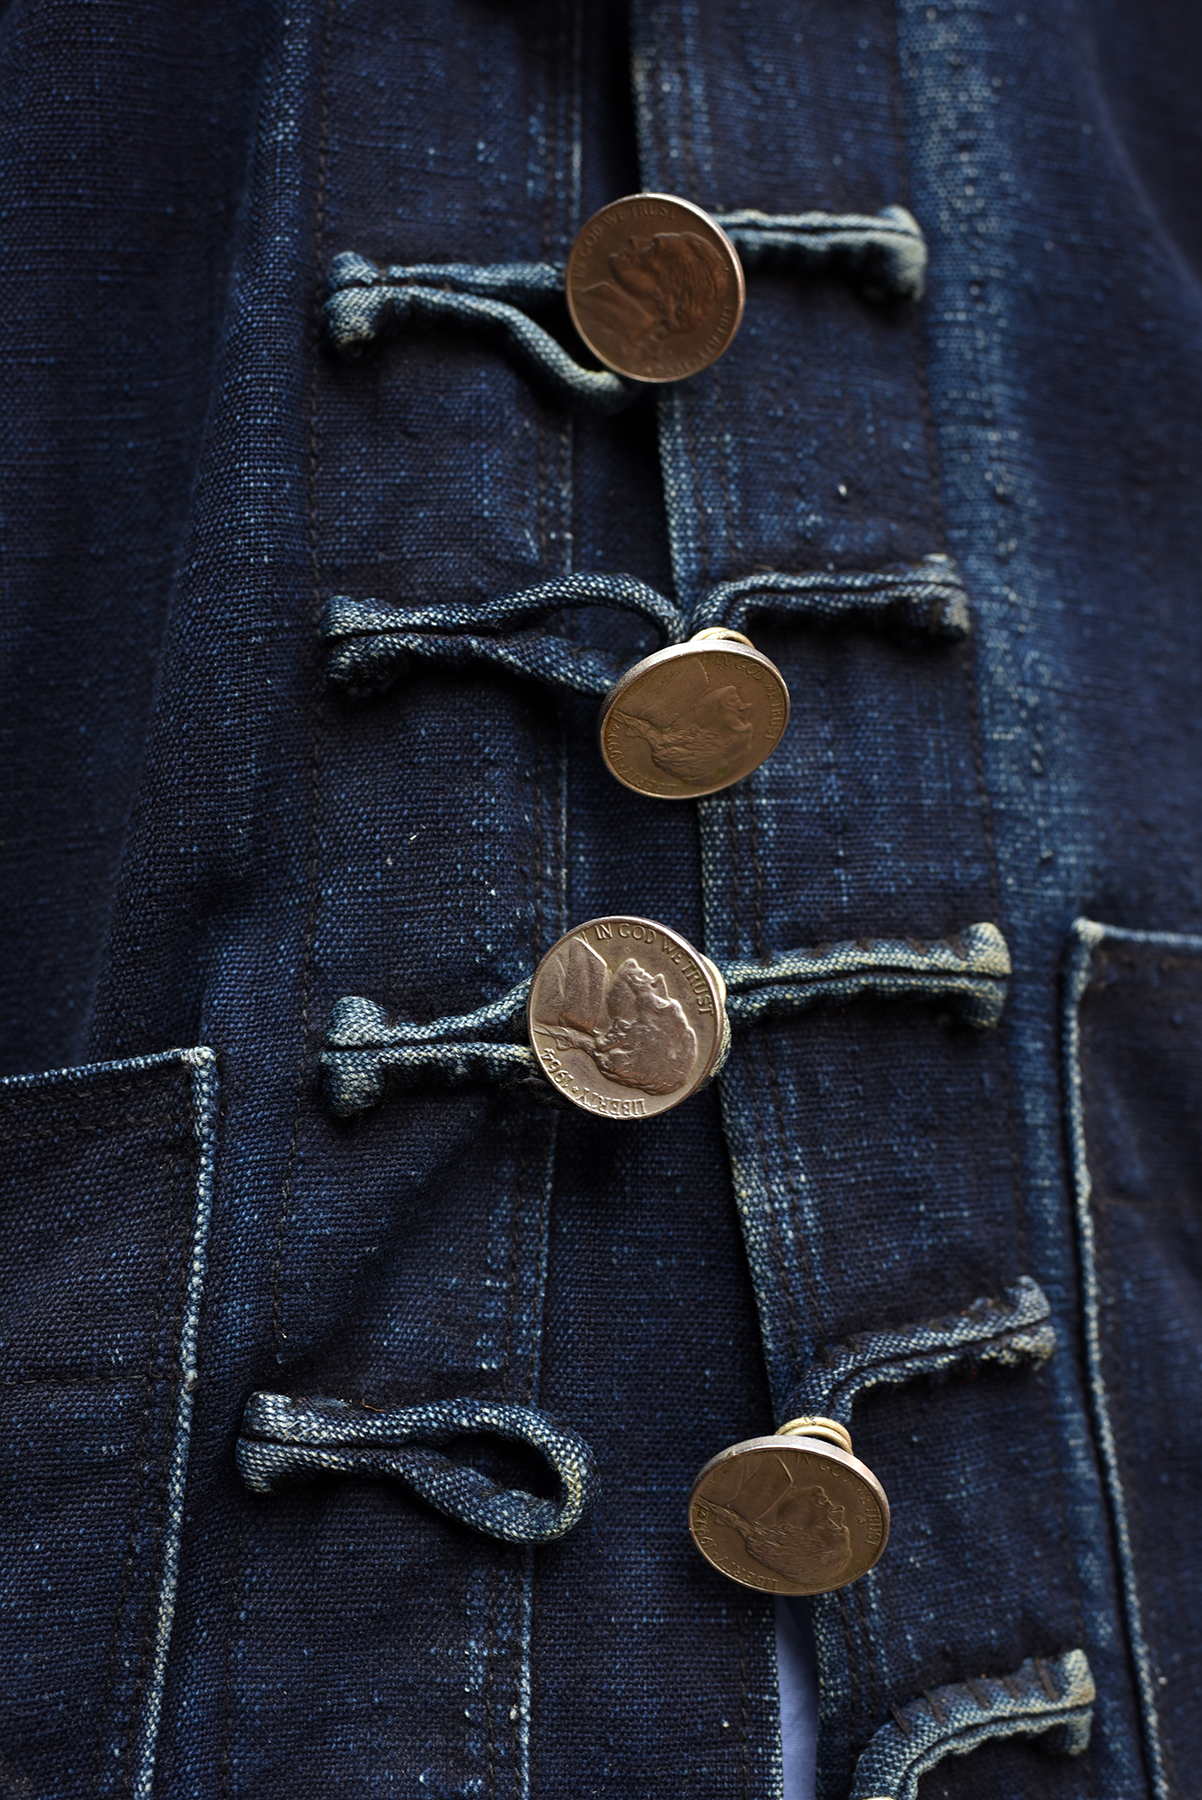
x: 284, y: 1440
x: 1050, y: 1699
x: 370, y: 644
x: 1013, y: 1331
x: 968, y: 972
x: 883, y: 256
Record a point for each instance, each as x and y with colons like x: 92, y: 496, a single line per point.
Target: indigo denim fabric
x: 302, y: 654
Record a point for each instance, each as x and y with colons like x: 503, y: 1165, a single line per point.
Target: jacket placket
x: 873, y: 1148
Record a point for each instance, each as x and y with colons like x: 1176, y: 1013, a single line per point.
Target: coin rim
x: 716, y: 994
x: 803, y: 1446
x: 740, y: 283
x: 711, y: 646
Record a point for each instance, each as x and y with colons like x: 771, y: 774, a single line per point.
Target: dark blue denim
x: 355, y: 1418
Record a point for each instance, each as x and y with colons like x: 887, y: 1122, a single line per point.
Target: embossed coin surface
x: 694, y: 718
x: 626, y: 1018
x: 789, y: 1515
x: 655, y: 287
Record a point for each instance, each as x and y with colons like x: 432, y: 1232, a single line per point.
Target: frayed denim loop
x: 519, y: 284
x: 925, y: 599
x: 369, y: 645
x: 285, y: 1440
x: 363, y: 1051
x: 1049, y: 1698
x: 1010, y: 1332
x: 969, y: 972
x: 362, y: 313
x: 884, y: 256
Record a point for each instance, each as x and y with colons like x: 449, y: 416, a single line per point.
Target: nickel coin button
x: 655, y: 287
x: 626, y: 1018
x: 694, y: 718
x: 796, y: 1513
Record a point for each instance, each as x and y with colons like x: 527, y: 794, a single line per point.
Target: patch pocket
x: 1133, y: 1086
x: 105, y: 1190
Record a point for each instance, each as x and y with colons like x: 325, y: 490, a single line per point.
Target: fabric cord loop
x: 1012, y: 1331
x: 370, y: 645
x: 968, y: 972
x: 1048, y: 1698
x: 884, y: 257
x: 285, y: 1440
x: 367, y: 304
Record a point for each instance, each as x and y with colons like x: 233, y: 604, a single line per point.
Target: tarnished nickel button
x: 695, y: 717
x: 626, y: 1018
x: 655, y: 287
x: 790, y: 1514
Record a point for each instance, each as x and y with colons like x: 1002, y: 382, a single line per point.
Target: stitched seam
x: 175, y: 1120
x: 800, y: 1234
x: 314, y: 846
x: 1112, y: 1372
x: 181, y: 1162
x: 149, y: 1382
x: 740, y: 1612
x: 775, y: 1233
x: 759, y: 943
x: 55, y: 1091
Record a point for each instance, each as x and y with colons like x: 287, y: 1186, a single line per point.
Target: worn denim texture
x: 302, y: 656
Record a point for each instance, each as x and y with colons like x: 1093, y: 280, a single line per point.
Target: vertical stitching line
x: 227, y: 1708
x: 314, y: 846
x: 185, y: 1153
x: 774, y: 1228
x: 161, y: 1171
x: 744, y: 1706
x: 819, y: 1330
x: 1111, y: 1367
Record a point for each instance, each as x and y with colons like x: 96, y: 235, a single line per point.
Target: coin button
x: 795, y: 1513
x: 626, y: 1018
x: 693, y: 718
x: 655, y: 287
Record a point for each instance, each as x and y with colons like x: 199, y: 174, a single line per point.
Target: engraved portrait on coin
x: 625, y: 1017
x: 694, y: 718
x: 655, y: 287
x: 789, y: 1518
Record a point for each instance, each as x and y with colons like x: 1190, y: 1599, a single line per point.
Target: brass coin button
x: 791, y: 1514
x: 655, y: 287
x: 694, y: 718
x: 626, y: 1018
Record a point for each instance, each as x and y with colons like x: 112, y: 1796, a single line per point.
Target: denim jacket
x: 356, y: 1388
